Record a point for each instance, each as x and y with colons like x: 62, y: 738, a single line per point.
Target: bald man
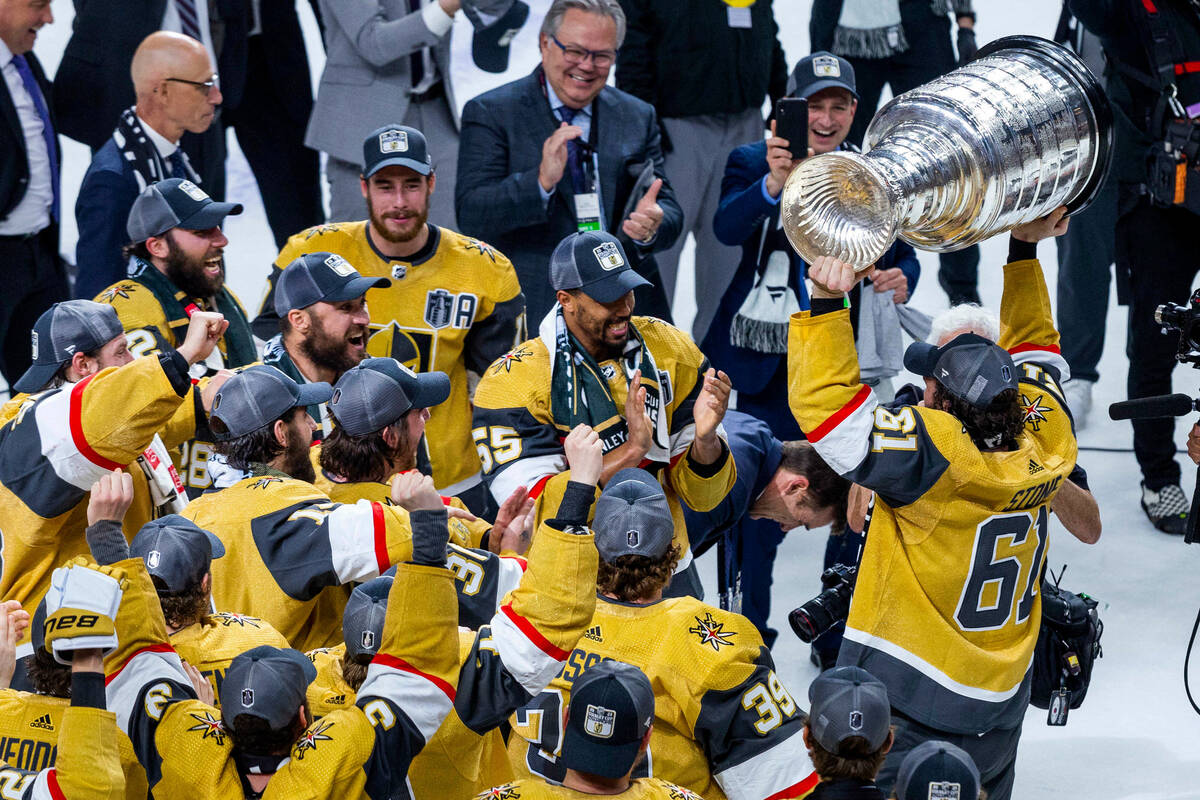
x: 177, y: 92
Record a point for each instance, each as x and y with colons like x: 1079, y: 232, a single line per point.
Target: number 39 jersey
x: 724, y: 725
x: 947, y: 607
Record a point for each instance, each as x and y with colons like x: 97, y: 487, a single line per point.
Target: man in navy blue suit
x: 558, y: 152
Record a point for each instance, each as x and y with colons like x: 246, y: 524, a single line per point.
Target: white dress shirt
x: 32, y: 213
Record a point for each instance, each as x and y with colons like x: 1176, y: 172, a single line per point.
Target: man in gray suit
x: 387, y: 60
x: 558, y: 152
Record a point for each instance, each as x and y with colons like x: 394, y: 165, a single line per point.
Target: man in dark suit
x: 29, y: 186
x: 559, y: 151
x: 93, y: 87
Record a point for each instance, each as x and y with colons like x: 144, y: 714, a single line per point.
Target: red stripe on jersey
x: 1026, y: 347
x: 1187, y: 66
x: 75, y: 414
x: 154, y: 648
x: 797, y: 789
x: 402, y: 665
x: 1149, y: 6
x: 532, y: 634
x: 445, y: 500
x: 828, y: 425
x: 52, y: 784
x: 522, y: 563
x: 382, y: 560
x: 539, y: 486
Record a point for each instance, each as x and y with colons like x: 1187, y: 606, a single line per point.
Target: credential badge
x: 393, y: 142
x: 609, y: 256
x: 827, y: 67
x: 599, y: 721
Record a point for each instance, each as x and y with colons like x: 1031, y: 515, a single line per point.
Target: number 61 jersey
x: 947, y: 608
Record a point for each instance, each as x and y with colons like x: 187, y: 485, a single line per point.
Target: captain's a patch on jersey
x: 393, y: 142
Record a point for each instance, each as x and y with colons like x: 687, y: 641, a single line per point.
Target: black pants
x: 1158, y: 247
x: 1085, y: 256
x: 34, y: 281
x: 994, y: 753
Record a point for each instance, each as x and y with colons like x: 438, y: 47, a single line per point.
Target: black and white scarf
x: 137, y: 148
x: 872, y: 29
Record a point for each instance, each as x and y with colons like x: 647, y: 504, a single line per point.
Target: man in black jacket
x: 29, y: 185
x: 704, y: 114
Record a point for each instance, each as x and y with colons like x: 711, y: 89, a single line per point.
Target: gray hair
x: 964, y: 318
x: 605, y: 8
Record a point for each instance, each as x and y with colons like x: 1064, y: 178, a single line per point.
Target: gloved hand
x: 966, y: 45
x: 81, y: 609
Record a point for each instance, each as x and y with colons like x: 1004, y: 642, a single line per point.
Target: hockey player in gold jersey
x: 725, y: 725
x: 454, y: 303
x: 606, y: 735
x: 59, y: 442
x: 178, y: 555
x: 947, y: 606
x: 641, y: 383
x: 176, y: 267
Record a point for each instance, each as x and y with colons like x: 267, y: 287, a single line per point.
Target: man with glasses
x: 177, y: 92
x: 559, y: 152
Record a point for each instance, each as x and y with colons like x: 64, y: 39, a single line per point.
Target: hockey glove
x: 81, y: 609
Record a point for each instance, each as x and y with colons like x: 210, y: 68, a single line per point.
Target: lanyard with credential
x: 589, y: 210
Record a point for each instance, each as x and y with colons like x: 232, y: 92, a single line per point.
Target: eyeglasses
x: 206, y: 86
x: 577, y: 55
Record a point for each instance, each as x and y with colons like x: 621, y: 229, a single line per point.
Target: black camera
x: 829, y: 607
x: 1185, y: 319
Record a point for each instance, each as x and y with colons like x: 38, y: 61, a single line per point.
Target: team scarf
x: 137, y: 149
x: 579, y: 391
x: 239, y: 341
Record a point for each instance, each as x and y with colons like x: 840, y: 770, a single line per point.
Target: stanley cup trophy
x: 1004, y: 140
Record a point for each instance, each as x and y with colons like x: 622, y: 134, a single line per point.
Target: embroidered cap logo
x: 826, y: 67
x: 339, y: 265
x: 153, y: 559
x: 599, y: 721
x: 633, y: 538
x: 609, y: 256
x: 393, y: 142
x: 247, y: 698
x: 193, y: 191
x: 856, y: 720
x: 368, y: 640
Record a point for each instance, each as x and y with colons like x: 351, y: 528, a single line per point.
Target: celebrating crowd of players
x: 405, y: 548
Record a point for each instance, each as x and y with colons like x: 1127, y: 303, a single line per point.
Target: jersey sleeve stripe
x: 380, y: 524
x: 400, y: 665
x: 154, y: 648
x: 539, y: 487
x: 81, y: 442
x: 52, y: 785
x: 531, y: 633
x: 822, y: 430
x: 532, y: 471
x: 416, y: 700
x: 1027, y: 346
x: 798, y: 789
x: 771, y: 774
x: 157, y: 662
x: 527, y: 663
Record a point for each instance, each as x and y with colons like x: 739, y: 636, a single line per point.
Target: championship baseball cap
x: 176, y: 550
x: 936, y: 770
x: 266, y: 682
x: 611, y: 708
x: 64, y: 329
x: 396, y: 145
x: 377, y: 391
x: 256, y: 397
x: 492, y: 37
x: 632, y: 517
x: 971, y: 367
x: 321, y: 278
x: 595, y: 262
x: 821, y: 70
x: 362, y: 620
x: 175, y: 203
x: 848, y: 702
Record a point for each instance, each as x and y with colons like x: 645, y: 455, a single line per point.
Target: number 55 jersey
x: 947, y: 607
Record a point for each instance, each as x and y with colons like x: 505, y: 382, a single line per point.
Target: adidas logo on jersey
x: 593, y: 633
x: 1034, y: 467
x: 43, y: 722
x: 336, y: 700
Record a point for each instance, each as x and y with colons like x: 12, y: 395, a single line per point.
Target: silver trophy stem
x: 999, y: 142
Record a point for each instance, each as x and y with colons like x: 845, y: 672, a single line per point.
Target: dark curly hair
x: 258, y: 446
x: 354, y: 672
x: 254, y: 735
x: 362, y: 458
x: 855, y: 760
x: 184, y: 608
x: 991, y: 428
x: 630, y: 578
x: 47, y: 675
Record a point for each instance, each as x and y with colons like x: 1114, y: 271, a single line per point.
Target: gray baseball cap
x: 175, y: 203
x: 595, y: 262
x: 176, y: 550
x: 266, y: 682
x: 64, y: 329
x: 971, y: 367
x: 396, y: 145
x: 821, y: 70
x: 848, y: 702
x: 256, y: 397
x: 611, y: 708
x: 362, y: 621
x: 632, y: 517
x: 378, y: 391
x: 936, y: 770
x: 320, y: 278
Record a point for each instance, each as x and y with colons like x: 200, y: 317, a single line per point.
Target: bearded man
x: 454, y: 304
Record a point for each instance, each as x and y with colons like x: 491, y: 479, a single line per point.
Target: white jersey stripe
x: 526, y: 472
x: 769, y: 773
x: 528, y: 663
x: 58, y: 445
x: 421, y: 700
x: 352, y: 541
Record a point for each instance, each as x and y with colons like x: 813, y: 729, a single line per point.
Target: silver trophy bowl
x: 1022, y: 129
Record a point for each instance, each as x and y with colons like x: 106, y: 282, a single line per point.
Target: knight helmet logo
x: 368, y: 640
x: 153, y: 559
x: 247, y: 698
x: 633, y: 538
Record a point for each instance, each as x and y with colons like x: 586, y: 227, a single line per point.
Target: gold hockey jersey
x: 455, y: 310
x: 947, y: 606
x: 520, y: 443
x: 30, y: 726
x: 88, y: 768
x: 724, y: 724
x: 211, y: 644
x: 639, y: 789
x: 56, y: 445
